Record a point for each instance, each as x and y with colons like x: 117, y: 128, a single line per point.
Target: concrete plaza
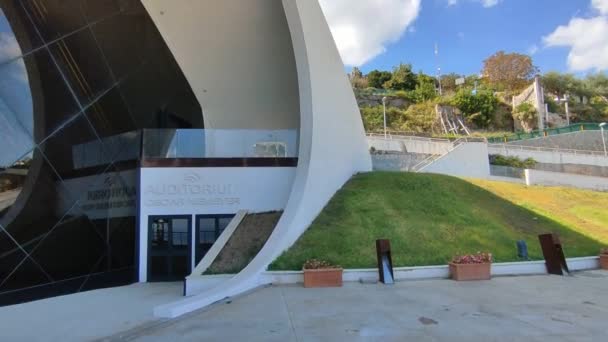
x: 532, y: 308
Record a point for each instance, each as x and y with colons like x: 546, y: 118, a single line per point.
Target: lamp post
x: 384, y: 105
x: 602, y: 125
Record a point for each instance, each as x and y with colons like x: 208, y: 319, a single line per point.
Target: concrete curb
x: 434, y: 272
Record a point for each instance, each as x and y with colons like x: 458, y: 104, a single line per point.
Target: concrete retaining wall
x: 550, y: 157
x: 536, y: 177
x: 397, y: 162
x: 584, y: 140
x: 411, y: 144
x: 467, y: 160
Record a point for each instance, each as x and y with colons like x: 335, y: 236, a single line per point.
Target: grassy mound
x: 430, y: 218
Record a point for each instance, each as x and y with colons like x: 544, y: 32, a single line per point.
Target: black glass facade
x: 79, y: 79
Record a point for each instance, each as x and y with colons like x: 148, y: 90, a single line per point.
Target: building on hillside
x: 133, y: 131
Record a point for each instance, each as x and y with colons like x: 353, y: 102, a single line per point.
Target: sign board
x: 460, y: 81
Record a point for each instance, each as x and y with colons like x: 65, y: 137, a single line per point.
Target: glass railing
x: 218, y: 143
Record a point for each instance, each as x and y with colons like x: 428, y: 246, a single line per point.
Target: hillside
x: 430, y: 218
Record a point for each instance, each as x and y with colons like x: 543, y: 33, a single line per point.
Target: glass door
x: 169, y: 247
x: 208, y: 230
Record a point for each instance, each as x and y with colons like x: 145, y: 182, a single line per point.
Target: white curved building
x: 176, y: 120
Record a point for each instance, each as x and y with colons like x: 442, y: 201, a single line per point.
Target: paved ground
x: 536, y: 308
x: 85, y: 316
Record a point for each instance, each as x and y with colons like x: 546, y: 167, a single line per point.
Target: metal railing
x: 546, y: 133
x: 509, y: 147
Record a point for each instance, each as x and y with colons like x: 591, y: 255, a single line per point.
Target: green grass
x: 430, y: 218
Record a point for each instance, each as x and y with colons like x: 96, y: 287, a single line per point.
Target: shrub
x: 477, y: 108
x: 420, y: 117
x: 526, y: 114
x: 497, y: 159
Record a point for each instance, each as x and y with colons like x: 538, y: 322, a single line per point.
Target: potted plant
x: 604, y: 259
x: 471, y: 267
x: 319, y: 273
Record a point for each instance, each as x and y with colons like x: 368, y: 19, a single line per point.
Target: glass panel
x: 159, y: 235
x: 159, y: 267
x: 181, y: 238
x: 43, y: 200
x: 216, y: 143
x: 10, y: 255
x: 53, y: 102
x: 55, y: 18
x: 95, y: 10
x: 16, y: 111
x: 65, y: 152
x: 206, y: 230
x: 17, y: 33
x: 122, y: 39
x: 12, y: 180
x: 83, y: 65
x: 110, y: 115
x: 179, y: 265
x: 223, y: 222
x: 28, y: 274
x: 80, y: 243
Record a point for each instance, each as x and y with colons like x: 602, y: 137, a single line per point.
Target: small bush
x: 497, y: 159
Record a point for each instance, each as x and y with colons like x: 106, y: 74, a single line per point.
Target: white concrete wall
x: 238, y: 58
x: 552, y: 157
x: 537, y: 177
x: 333, y: 147
x: 467, y: 160
x: 205, y: 191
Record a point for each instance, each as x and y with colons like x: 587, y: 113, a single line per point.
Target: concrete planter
x: 468, y: 272
x: 323, y: 278
x: 604, y: 261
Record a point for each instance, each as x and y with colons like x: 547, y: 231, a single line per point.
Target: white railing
x: 509, y: 147
x: 405, y: 136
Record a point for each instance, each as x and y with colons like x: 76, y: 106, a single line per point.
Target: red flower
x: 479, y: 258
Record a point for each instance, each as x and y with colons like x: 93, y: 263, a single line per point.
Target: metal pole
x: 567, y: 112
x: 604, y: 139
x: 384, y: 105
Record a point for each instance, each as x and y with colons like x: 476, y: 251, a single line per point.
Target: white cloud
x: 484, y: 3
x: 600, y: 5
x: 363, y: 28
x: 587, y: 39
x: 9, y: 48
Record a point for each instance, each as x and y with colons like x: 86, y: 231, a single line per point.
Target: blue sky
x: 468, y: 31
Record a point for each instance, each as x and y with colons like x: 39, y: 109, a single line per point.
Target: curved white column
x: 333, y: 147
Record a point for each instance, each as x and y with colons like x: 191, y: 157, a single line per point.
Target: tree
x: 448, y: 83
x: 377, y: 78
x: 373, y: 118
x: 598, y: 84
x: 526, y: 114
x: 402, y: 79
x: 477, y: 108
x: 357, y: 80
x: 509, y: 71
x: 560, y: 84
x: 425, y: 89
